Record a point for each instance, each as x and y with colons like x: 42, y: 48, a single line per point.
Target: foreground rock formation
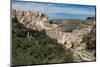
x: 72, y: 40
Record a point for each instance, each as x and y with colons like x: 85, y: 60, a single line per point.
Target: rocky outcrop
x: 33, y: 20
x: 39, y: 21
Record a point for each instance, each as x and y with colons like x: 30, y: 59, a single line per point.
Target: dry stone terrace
x: 38, y: 21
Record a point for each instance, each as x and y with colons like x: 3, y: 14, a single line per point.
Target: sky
x: 57, y: 11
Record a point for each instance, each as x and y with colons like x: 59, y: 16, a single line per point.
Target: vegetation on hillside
x: 35, y: 47
x: 90, y: 40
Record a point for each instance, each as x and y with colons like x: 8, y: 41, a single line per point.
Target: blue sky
x: 57, y: 11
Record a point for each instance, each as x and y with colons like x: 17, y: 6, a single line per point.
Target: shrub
x: 37, y: 48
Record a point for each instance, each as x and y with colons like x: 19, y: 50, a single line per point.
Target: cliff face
x: 38, y: 21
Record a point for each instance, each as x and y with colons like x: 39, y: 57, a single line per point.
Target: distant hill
x: 66, y: 21
x: 91, y: 18
x: 67, y: 25
x: 90, y: 21
x: 70, y: 24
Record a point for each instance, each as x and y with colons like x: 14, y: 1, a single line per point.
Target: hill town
x: 73, y: 39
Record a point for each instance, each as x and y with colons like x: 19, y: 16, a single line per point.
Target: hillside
x: 36, y: 47
x: 39, y: 30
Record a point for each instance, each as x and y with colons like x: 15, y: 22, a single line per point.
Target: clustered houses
x: 30, y: 19
x: 38, y: 21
